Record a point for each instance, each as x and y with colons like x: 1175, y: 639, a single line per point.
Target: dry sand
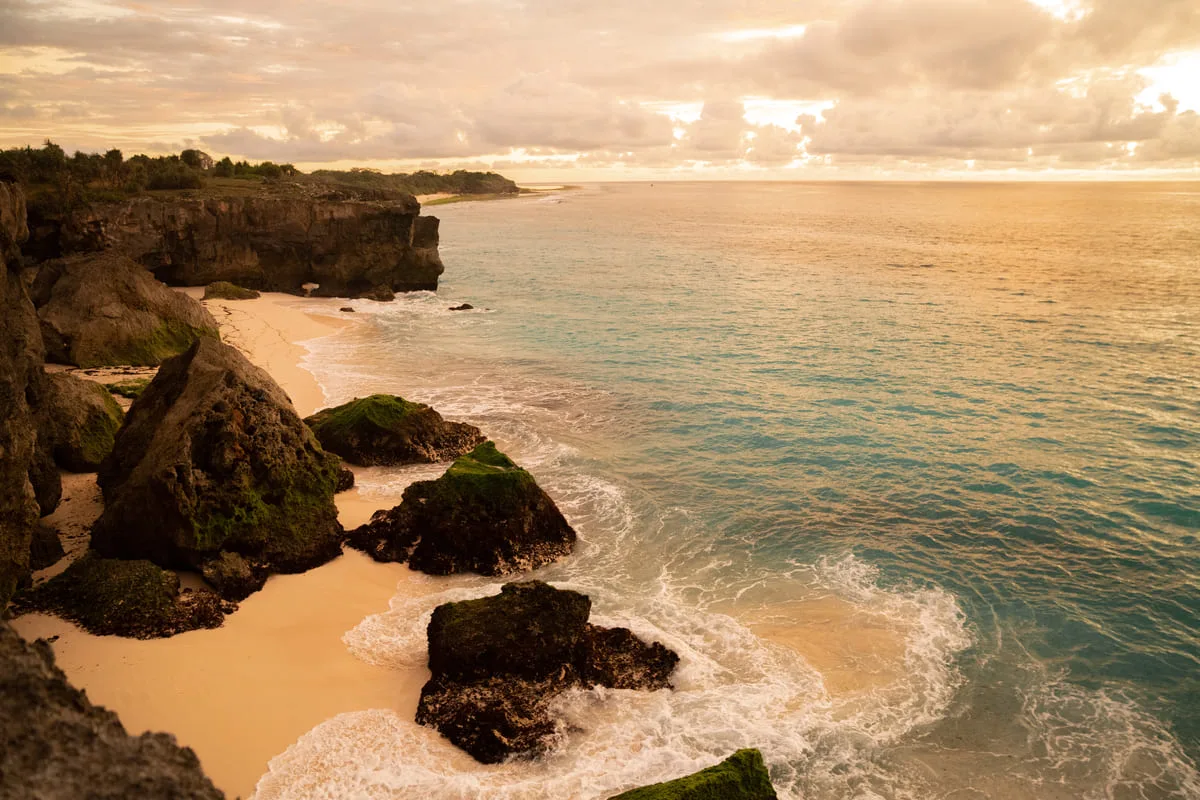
x: 243, y: 693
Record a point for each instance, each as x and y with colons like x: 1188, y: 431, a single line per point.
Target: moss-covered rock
x: 124, y: 598
x: 131, y: 388
x: 213, y: 458
x: 224, y: 290
x: 78, y: 421
x: 742, y: 776
x: 385, y: 430
x: 485, y: 515
x: 102, y: 309
x: 498, y: 662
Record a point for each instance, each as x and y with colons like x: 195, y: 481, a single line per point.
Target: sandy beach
x: 241, y: 694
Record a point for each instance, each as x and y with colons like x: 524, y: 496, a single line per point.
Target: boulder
x: 78, y: 421
x: 463, y: 307
x: 45, y: 479
x: 102, y: 309
x: 124, y: 598
x: 498, y: 662
x: 56, y: 745
x: 224, y: 290
x: 485, y: 515
x: 212, y: 458
x: 345, y: 480
x: 20, y: 368
x: 45, y: 550
x: 742, y: 776
x: 385, y: 430
x: 232, y: 576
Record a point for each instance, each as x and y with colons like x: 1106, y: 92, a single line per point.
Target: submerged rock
x: 212, y: 458
x: 498, y: 662
x: 109, y: 596
x: 78, y: 421
x: 742, y: 776
x: 485, y: 515
x: 384, y: 430
x: 56, y: 745
x: 224, y: 290
x: 463, y: 307
x: 102, y: 309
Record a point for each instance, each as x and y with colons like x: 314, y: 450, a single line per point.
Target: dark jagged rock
x: 45, y: 550
x: 232, y: 576
x: 345, y: 481
x: 44, y: 477
x: 56, y: 745
x: 78, y: 421
x: 346, y: 309
x: 281, y: 238
x: 20, y: 367
x: 385, y: 430
x: 102, y: 310
x: 742, y: 776
x: 463, y: 307
x: 109, y: 596
x: 497, y: 662
x: 213, y: 458
x: 224, y: 290
x: 485, y: 515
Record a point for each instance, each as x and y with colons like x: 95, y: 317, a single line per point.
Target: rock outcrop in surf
x: 485, y: 515
x: 499, y: 661
x: 102, y: 309
x: 385, y: 430
x: 213, y: 459
x: 742, y: 776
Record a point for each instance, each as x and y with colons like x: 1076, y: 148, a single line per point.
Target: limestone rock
x: 385, y: 430
x: 102, y: 309
x: 124, y: 598
x: 20, y: 365
x: 213, y: 458
x: 742, y: 776
x: 78, y: 421
x: 498, y: 662
x: 56, y: 745
x: 485, y: 515
x: 224, y: 290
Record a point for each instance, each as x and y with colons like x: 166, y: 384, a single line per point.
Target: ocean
x: 906, y: 473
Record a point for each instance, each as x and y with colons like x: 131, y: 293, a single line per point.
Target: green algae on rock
x: 102, y: 309
x: 130, y: 388
x: 78, y: 421
x: 742, y: 776
x: 224, y: 290
x: 213, y: 458
x: 124, y: 598
x: 385, y: 430
x: 485, y: 515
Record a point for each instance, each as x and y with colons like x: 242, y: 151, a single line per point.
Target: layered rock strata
x: 485, y: 515
x: 385, y: 430
x: 498, y: 662
x: 213, y: 459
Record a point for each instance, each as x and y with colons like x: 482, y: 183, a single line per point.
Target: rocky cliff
x: 20, y: 374
x: 277, y: 239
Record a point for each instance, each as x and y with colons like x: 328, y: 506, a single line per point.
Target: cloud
x: 925, y: 81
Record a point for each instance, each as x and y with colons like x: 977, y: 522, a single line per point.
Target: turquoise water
x: 906, y: 473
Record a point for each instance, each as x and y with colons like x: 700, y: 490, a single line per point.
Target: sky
x: 568, y: 90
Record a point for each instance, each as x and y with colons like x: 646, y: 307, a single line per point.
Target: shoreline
x: 241, y: 694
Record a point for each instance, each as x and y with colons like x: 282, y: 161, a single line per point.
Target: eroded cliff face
x: 280, y: 241
x: 20, y: 373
